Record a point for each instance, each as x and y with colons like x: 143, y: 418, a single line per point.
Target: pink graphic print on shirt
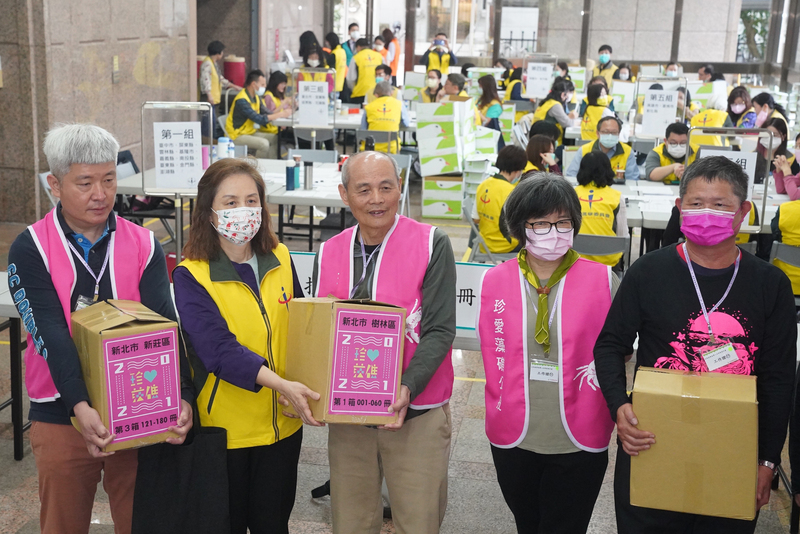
x: 689, y: 346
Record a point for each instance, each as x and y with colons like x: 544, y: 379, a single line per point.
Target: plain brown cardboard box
x: 313, y: 331
x: 120, y: 321
x: 705, y: 459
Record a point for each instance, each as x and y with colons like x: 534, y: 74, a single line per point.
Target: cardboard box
x: 441, y: 209
x: 129, y: 359
x: 351, y: 353
x: 705, y: 459
x: 440, y: 164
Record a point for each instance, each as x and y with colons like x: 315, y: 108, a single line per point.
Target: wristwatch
x: 769, y: 464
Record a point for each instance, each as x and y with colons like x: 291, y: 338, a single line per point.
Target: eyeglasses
x: 564, y: 226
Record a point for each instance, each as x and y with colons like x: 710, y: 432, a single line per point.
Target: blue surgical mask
x: 378, y: 79
x: 604, y: 58
x: 609, y: 140
x: 672, y: 73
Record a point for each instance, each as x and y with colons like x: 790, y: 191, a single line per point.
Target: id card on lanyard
x: 365, y: 263
x: 543, y: 370
x: 720, y: 353
x: 84, y: 301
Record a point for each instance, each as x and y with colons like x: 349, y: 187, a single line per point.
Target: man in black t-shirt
x: 748, y: 303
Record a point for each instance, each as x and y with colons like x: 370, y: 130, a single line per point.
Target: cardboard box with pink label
x: 351, y: 353
x: 129, y: 359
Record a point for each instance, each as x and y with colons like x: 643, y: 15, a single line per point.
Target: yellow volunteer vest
x: 591, y: 117
x: 665, y: 159
x: 598, y: 211
x: 741, y: 119
x: 251, y: 419
x: 366, y: 61
x: 271, y: 128
x: 395, y: 93
x: 608, y: 73
x: 340, y: 65
x: 776, y: 115
x: 789, y: 224
x: 383, y: 115
x: 249, y: 127
x: 482, y: 111
x: 709, y: 118
x: 530, y: 167
x: 490, y: 198
x: 541, y: 114
x: 434, y: 63
x: 426, y: 96
x: 216, y: 88
x: 620, y: 159
x: 507, y: 98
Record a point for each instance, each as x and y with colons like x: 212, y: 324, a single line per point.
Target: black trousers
x: 262, y: 483
x: 636, y: 520
x: 550, y: 493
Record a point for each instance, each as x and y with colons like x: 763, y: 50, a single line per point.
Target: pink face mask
x: 550, y: 246
x: 762, y: 117
x: 737, y: 108
x: 707, y: 227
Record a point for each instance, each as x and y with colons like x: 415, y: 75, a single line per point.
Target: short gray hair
x: 363, y: 155
x: 383, y: 89
x: 538, y: 195
x: 716, y: 168
x: 86, y: 144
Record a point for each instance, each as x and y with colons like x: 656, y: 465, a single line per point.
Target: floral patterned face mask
x: 238, y: 225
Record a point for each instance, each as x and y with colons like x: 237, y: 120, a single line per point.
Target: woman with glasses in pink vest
x: 540, y: 314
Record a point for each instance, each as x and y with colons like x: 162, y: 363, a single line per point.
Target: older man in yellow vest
x: 361, y: 72
x: 211, y: 82
x: 385, y: 114
x: 247, y: 122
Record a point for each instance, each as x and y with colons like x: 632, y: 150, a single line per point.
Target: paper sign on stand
x: 179, y: 161
x: 746, y: 160
x: 539, y: 80
x: 312, y: 103
x: 659, y: 111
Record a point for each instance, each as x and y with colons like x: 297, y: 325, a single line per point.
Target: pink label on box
x: 144, y: 394
x: 365, y: 360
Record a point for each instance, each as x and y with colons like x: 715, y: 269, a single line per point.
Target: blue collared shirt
x: 87, y: 245
x: 631, y: 168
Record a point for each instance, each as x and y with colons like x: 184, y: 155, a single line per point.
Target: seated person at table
x: 383, y: 73
x: 602, y: 208
x: 275, y: 98
x: 624, y: 73
x: 605, y: 67
x: 685, y: 101
x: 766, y: 108
x: 781, y: 139
x: 314, y: 58
x: 489, y: 106
x: 385, y: 114
x: 667, y: 162
x: 247, y: 121
x: 673, y: 234
x: 503, y: 63
x: 620, y: 154
x: 454, y: 86
x: 433, y: 88
x: 597, y: 80
x: 465, y: 69
x: 740, y: 108
x: 491, y: 196
x: 515, y: 90
x: 540, y: 154
x: 714, y: 116
x: 597, y: 108
x: 786, y: 229
x: 551, y: 109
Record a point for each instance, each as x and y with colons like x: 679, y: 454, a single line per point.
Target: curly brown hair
x: 203, y: 243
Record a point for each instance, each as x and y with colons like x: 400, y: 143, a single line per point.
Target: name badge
x: 720, y: 356
x: 544, y: 371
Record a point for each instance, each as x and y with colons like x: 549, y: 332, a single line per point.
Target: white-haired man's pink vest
x: 399, y: 272
x: 584, y: 298
x: 130, y: 250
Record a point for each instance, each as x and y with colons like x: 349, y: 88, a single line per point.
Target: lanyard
x: 700, y: 296
x: 365, y: 262
x: 97, y: 278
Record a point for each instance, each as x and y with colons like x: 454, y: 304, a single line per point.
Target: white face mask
x: 238, y: 225
x: 677, y: 151
x: 354, y: 35
x: 550, y: 246
x: 624, y: 76
x: 433, y: 83
x: 313, y: 63
x: 261, y: 90
x: 766, y: 143
x: 378, y: 47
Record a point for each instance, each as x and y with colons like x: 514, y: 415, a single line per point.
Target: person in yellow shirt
x: 606, y: 67
x: 383, y: 73
x: 541, y: 154
x: 667, y: 162
x: 596, y: 109
x: 766, y: 108
x: 385, y: 114
x: 439, y: 56
x: 487, y: 212
x: 515, y: 89
x: 714, y: 116
x: 489, y: 106
x: 602, y: 208
x: 249, y: 117
x: 211, y: 83
x: 786, y: 229
x: 434, y: 87
x: 338, y: 59
x: 552, y: 108
x: 453, y: 86
x: 361, y: 71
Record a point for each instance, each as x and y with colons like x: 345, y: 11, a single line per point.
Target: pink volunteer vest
x: 583, y: 302
x: 399, y: 272
x: 130, y: 250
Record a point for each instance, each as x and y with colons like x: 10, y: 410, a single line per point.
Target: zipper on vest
x: 213, y: 394
x: 270, y: 361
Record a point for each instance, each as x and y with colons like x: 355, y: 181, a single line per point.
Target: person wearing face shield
x: 622, y: 157
x: 539, y: 316
x: 247, y: 123
x: 488, y: 210
x: 667, y: 162
x: 605, y: 67
x: 552, y: 108
x: 704, y: 287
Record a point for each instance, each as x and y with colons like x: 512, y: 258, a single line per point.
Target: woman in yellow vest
x: 503, y: 63
x: 740, y: 108
x: 786, y: 229
x: 491, y: 196
x: 766, y: 108
x: 780, y: 141
x: 609, y: 102
x: 489, y: 106
x: 597, y: 98
x: 315, y: 59
x: 541, y: 155
x: 552, y: 108
x: 339, y: 61
x: 384, y: 114
x: 514, y: 91
x: 602, y: 208
x: 434, y: 88
x: 232, y: 292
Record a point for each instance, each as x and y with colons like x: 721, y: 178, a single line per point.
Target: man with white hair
x: 78, y: 254
x: 391, y: 258
x: 385, y: 114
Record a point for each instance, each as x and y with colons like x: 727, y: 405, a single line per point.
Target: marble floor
x: 475, y: 504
